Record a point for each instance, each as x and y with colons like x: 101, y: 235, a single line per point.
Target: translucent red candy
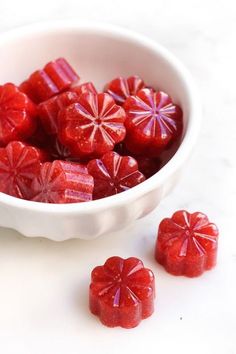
x: 148, y: 166
x: 62, y: 182
x: 114, y: 174
x: 17, y: 115
x: 92, y: 126
x: 26, y: 88
x: 152, y: 122
x: 121, y: 88
x: 187, y: 244
x: 122, y: 292
x: 19, y: 164
x: 48, y: 110
x: 55, y: 77
x: 84, y: 88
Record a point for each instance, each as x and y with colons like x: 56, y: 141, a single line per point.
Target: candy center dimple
x: 188, y: 233
x: 98, y: 121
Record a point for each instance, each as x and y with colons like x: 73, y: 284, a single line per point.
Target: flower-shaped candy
x: 114, y: 174
x: 153, y: 121
x: 55, y: 77
x: 62, y: 182
x: 187, y: 244
x: 19, y: 164
x: 92, y: 127
x: 122, y: 292
x: 17, y: 115
x: 48, y: 110
x: 121, y: 88
x: 84, y: 88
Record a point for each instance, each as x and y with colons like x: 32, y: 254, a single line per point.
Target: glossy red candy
x: 121, y: 88
x: 62, y: 182
x: 26, y: 88
x: 17, y: 115
x: 55, y: 77
x: 48, y: 110
x: 122, y: 292
x: 92, y: 126
x: 84, y: 88
x: 19, y: 164
x: 148, y: 166
x: 187, y: 244
x: 61, y: 73
x: 114, y: 174
x: 153, y: 121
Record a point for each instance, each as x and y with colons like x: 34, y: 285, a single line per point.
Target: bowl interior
x: 97, y: 55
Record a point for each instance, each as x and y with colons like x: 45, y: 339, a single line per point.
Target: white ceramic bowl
x: 99, y: 52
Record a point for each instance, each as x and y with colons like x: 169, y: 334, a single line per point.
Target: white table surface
x: 43, y: 284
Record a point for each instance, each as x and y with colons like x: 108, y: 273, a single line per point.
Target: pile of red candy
x: 63, y: 142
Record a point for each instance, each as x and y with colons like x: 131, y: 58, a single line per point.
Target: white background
x: 43, y: 284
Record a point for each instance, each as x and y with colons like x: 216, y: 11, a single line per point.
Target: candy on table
x: 187, y: 244
x: 122, y: 292
x: 17, y: 114
x: 114, y: 174
x: 93, y: 126
x: 62, y: 182
x: 152, y: 122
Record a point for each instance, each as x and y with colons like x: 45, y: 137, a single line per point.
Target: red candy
x: 19, y: 164
x: 48, y: 110
x: 148, y: 166
x: 74, y: 123
x: 84, y: 88
x: 62, y: 182
x: 121, y: 88
x: 187, y: 244
x: 122, y: 292
x: 152, y: 122
x: 26, y: 88
x: 17, y: 115
x: 114, y: 174
x: 61, y: 73
x: 92, y: 126
x: 55, y: 77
